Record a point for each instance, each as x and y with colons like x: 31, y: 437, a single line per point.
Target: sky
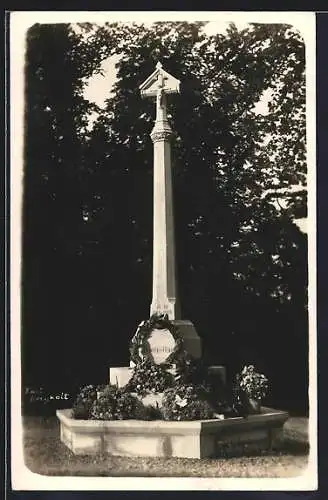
x: 99, y: 87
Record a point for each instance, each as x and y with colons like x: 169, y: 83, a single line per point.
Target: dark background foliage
x: 87, y: 241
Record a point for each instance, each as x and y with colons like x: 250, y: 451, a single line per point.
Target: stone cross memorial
x: 159, y: 85
x: 161, y: 438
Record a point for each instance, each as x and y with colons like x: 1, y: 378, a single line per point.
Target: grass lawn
x: 46, y: 455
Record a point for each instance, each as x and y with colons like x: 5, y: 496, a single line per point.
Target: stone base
x: 154, y: 400
x: 120, y: 376
x: 194, y: 439
x: 192, y: 341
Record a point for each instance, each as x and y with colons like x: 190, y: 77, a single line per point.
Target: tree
x: 234, y: 245
x: 57, y: 63
x: 241, y: 259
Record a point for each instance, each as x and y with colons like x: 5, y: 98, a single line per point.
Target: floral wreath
x: 139, y: 342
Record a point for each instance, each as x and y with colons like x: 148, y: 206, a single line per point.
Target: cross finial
x: 159, y: 79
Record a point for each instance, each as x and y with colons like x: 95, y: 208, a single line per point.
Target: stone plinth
x: 192, y: 341
x: 157, y: 438
x: 120, y: 376
x: 151, y: 399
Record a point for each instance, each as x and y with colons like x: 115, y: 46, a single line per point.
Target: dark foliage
x: 87, y: 243
x: 139, y: 347
x: 187, y: 402
x: 191, y: 371
x: 149, y: 378
x: 83, y: 403
x: 116, y: 404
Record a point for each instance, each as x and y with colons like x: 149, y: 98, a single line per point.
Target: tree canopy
x: 239, y: 185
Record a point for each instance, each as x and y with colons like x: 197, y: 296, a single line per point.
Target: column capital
x: 158, y: 135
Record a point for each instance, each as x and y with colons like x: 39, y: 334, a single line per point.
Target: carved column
x: 164, y: 298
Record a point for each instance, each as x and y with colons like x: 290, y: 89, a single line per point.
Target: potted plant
x: 255, y: 385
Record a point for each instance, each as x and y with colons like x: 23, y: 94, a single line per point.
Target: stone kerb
x: 188, y: 439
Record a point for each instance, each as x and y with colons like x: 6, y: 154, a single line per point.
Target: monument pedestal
x: 191, y: 339
x: 120, y: 375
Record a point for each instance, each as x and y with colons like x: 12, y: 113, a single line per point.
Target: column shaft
x: 164, y: 272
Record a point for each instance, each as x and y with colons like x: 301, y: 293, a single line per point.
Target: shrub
x: 187, y: 402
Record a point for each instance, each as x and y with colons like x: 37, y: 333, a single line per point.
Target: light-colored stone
x: 164, y: 300
x: 161, y: 344
x: 120, y: 376
x: 152, y: 399
x: 164, y: 291
x: 170, y: 84
x: 188, y: 439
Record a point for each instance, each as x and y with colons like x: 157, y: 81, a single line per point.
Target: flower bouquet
x: 255, y: 385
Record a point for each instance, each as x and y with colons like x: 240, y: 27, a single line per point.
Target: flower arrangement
x: 116, y: 404
x: 181, y: 401
x: 83, y: 402
x: 110, y: 403
x: 255, y: 385
x: 190, y: 371
x: 149, y: 378
x: 104, y: 406
x: 239, y: 399
x: 186, y: 402
x: 139, y: 347
x: 188, y: 393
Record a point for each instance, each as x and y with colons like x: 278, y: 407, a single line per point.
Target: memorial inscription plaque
x: 161, y: 345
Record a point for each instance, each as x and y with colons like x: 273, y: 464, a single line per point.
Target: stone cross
x: 159, y: 84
